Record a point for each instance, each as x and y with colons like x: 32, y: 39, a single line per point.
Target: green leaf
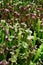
x: 34, y: 40
x: 38, y: 52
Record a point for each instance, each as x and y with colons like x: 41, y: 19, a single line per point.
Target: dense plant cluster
x: 21, y: 32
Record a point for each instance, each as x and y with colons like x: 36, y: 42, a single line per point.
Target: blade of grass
x: 34, y: 40
x: 38, y: 52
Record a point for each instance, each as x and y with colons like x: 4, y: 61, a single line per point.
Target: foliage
x: 21, y: 32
